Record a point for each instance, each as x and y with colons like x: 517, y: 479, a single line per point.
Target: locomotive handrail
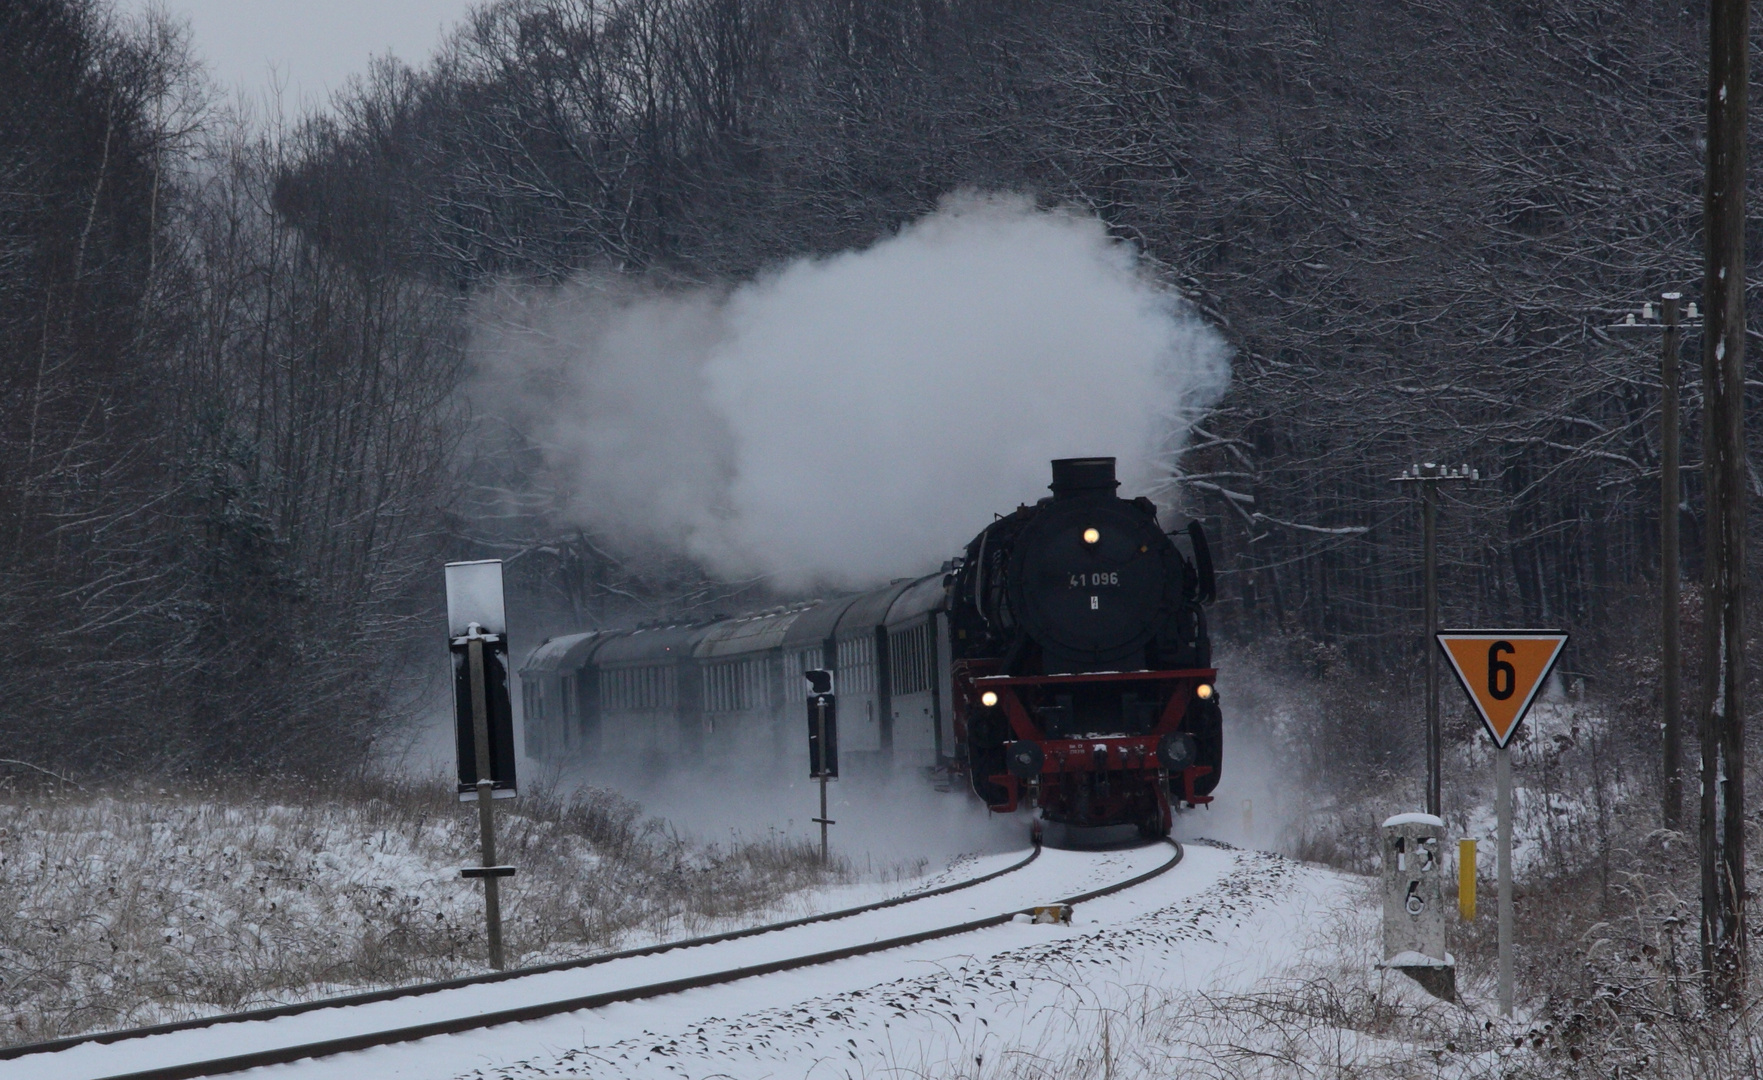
x: 455, y: 1025
x: 1096, y: 676
x: 275, y: 1012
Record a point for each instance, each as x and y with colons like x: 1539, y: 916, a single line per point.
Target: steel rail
x: 369, y: 997
x: 455, y: 1025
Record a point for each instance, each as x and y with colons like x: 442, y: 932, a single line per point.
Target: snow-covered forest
x: 235, y: 344
x: 241, y: 419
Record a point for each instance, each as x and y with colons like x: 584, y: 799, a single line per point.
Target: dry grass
x: 1327, y: 1015
x: 1608, y: 959
x: 142, y: 906
x: 1612, y: 1006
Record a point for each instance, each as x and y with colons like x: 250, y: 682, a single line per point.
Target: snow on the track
x: 1221, y: 920
x: 1054, y: 875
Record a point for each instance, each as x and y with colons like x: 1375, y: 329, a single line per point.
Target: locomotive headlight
x: 988, y: 699
x: 1092, y: 535
x: 1203, y: 691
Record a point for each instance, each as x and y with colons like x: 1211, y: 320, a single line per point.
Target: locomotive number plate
x: 1090, y: 580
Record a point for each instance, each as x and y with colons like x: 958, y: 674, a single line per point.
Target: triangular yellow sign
x: 1502, y: 670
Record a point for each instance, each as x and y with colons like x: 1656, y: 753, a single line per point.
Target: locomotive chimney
x: 1083, y: 476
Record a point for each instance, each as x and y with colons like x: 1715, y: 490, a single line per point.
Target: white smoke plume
x: 846, y: 420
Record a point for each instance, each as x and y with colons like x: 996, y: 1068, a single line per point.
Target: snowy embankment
x: 146, y: 907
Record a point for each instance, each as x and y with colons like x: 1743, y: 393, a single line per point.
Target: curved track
x: 98, y: 1056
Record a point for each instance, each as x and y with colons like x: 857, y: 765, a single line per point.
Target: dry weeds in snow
x: 141, y: 907
x: 1328, y: 1013
x: 1287, y: 1030
x: 1331, y: 1014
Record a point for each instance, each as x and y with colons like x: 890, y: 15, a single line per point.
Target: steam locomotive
x: 1082, y: 666
x: 1061, y: 662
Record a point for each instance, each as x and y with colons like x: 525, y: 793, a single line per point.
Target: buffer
x: 1502, y: 670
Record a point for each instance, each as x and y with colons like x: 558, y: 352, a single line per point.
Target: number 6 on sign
x: 1502, y: 670
x: 1498, y: 668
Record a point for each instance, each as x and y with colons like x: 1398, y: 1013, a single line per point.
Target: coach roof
x: 653, y: 645
x: 816, y: 624
x: 868, y: 610
x: 924, y: 595
x: 565, y: 653
x: 734, y: 637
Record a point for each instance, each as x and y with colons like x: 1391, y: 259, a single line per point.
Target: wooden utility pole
x: 1429, y: 529
x: 1672, y: 319
x: 1722, y: 832
x: 1428, y: 477
x: 1670, y: 662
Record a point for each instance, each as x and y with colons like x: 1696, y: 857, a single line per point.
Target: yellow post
x: 1466, y: 879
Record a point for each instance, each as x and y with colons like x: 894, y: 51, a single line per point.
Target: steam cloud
x: 847, y: 420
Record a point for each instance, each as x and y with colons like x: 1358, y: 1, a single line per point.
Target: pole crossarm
x: 1666, y: 316
x: 1430, y: 473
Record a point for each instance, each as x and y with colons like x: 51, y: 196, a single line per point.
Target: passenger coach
x: 733, y: 688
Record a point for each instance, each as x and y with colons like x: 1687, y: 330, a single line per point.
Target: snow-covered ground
x: 1220, y: 920
x: 145, y: 908
x: 1185, y: 971
x: 1055, y: 875
x: 1236, y: 963
x: 1177, y: 973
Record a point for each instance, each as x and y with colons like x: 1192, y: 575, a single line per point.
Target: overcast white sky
x: 313, y: 44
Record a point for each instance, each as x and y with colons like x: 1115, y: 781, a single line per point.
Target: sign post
x: 823, y: 741
x: 477, y: 632
x: 1502, y: 671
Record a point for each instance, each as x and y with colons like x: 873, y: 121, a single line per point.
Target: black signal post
x: 477, y: 628
x: 489, y: 871
x: 822, y: 741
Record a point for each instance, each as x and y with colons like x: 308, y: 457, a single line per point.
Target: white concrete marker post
x: 1414, y: 903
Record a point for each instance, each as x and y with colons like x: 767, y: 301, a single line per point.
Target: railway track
x: 234, y: 1042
